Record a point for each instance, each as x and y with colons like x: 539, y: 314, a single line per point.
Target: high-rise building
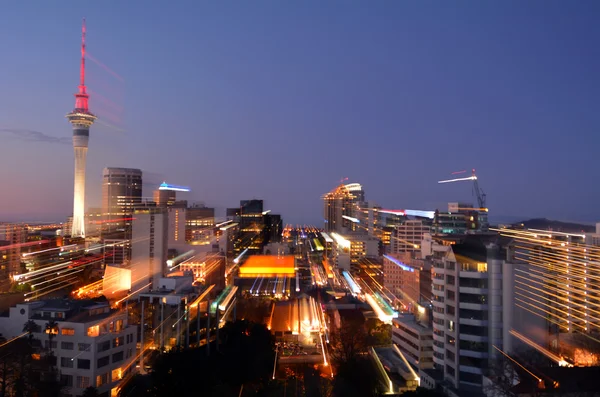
x: 164, y: 197
x: 407, y: 237
x: 121, y: 193
x: 199, y: 224
x: 472, y: 308
x: 339, y: 204
x: 81, y: 119
x: 12, y: 236
x: 149, y: 247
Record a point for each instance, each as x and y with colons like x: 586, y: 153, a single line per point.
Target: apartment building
x: 93, y: 344
x: 469, y: 321
x: 414, y: 339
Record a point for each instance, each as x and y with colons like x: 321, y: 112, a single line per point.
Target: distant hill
x: 557, y: 226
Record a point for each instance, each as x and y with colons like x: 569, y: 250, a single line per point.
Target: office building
x: 121, y: 193
x: 12, y: 238
x: 81, y: 120
x: 149, y: 247
x: 460, y: 218
x: 348, y: 250
x: 257, y: 227
x: 93, y: 344
x: 555, y: 279
x: 339, y: 204
x: 407, y: 237
x: 408, y: 279
x: 199, y: 224
x: 165, y: 198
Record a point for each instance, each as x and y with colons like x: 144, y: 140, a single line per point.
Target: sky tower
x: 81, y: 119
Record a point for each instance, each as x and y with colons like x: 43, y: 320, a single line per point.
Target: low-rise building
x: 93, y: 344
x: 415, y: 340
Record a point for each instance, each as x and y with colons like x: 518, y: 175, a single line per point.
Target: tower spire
x: 81, y: 98
x: 82, y: 71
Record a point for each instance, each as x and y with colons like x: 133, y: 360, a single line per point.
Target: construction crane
x: 481, y: 196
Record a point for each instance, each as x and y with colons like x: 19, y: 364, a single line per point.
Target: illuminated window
x: 67, y: 331
x: 117, y: 374
x: 93, y: 331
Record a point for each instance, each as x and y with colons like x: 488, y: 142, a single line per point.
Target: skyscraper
x: 121, y: 192
x: 81, y: 119
x: 341, y: 202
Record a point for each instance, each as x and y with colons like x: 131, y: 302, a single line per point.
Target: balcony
x: 474, y: 354
x: 473, y: 321
x: 473, y: 306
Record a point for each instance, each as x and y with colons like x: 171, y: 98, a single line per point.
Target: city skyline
x: 312, y: 107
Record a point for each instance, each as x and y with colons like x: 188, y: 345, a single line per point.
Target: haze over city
x: 280, y: 100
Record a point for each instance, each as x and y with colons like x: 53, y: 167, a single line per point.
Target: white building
x: 94, y: 345
x: 414, y: 340
x: 149, y: 248
x: 407, y: 236
x: 349, y: 249
x: 468, y: 316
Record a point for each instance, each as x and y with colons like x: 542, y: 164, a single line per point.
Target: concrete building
x: 164, y: 198
x: 121, y: 193
x: 149, y: 248
x: 93, y: 344
x: 349, y: 249
x: 12, y: 237
x: 408, y: 279
x: 414, y: 339
x: 407, y: 237
x: 340, y: 202
x: 472, y: 308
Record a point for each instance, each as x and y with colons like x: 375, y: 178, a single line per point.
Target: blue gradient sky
x: 279, y: 100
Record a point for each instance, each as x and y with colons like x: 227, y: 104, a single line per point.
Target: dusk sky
x: 279, y: 100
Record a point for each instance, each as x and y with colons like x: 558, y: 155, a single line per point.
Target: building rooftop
x: 410, y: 321
x: 268, y: 266
x: 73, y: 310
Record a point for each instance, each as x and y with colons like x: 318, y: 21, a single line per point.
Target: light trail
x: 516, y: 362
x: 559, y: 360
x: 13, y: 339
x: 468, y: 178
x: 131, y: 294
x: 104, y: 67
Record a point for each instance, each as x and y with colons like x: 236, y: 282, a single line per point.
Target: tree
x: 31, y: 327
x: 245, y: 357
x: 379, y: 333
x: 52, y: 331
x: 350, y: 341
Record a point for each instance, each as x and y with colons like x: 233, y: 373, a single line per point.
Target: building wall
x: 88, y: 353
x: 402, y: 279
x: 414, y: 340
x: 149, y: 248
x: 121, y: 192
x: 11, y: 237
x: 407, y: 236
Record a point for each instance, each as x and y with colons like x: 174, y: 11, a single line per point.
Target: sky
x: 280, y: 100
